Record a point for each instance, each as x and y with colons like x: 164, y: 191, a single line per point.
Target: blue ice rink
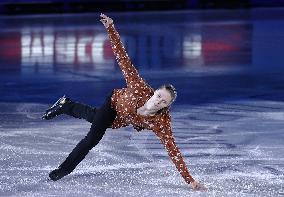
x: 228, y: 119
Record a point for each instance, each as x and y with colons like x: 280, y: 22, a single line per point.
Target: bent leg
x: 102, y: 120
x: 79, y: 110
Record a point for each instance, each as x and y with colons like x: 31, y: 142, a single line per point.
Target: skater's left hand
x: 198, y: 186
x: 106, y: 20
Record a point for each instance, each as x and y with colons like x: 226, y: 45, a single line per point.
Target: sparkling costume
x: 127, y: 100
x: 119, y: 110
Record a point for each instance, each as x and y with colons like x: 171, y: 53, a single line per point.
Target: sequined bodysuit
x: 127, y: 100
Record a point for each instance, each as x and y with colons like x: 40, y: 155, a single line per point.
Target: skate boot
x: 56, y: 109
x: 58, y: 174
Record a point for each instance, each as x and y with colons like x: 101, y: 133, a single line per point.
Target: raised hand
x: 106, y: 20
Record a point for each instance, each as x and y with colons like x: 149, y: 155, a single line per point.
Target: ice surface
x: 234, y: 148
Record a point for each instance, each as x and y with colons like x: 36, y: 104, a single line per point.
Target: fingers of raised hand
x: 103, y: 16
x: 105, y: 20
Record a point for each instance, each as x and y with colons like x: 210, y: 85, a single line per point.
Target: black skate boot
x: 57, y: 174
x: 56, y: 109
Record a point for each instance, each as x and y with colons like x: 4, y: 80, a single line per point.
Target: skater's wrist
x: 190, y: 180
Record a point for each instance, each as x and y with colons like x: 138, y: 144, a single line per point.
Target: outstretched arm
x: 168, y: 141
x: 129, y: 72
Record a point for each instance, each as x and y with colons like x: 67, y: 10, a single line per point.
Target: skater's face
x: 161, y: 99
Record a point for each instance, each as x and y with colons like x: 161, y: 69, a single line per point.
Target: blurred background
x: 185, y: 42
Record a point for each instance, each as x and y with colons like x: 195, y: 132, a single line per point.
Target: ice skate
x: 57, y: 174
x: 56, y: 109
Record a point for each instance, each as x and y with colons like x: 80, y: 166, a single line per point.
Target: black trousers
x: 101, y: 119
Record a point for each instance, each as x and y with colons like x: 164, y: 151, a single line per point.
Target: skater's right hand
x: 198, y: 186
x: 106, y: 20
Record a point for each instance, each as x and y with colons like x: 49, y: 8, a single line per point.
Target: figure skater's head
x: 162, y: 99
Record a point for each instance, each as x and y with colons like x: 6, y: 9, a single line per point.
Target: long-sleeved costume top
x: 127, y: 100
